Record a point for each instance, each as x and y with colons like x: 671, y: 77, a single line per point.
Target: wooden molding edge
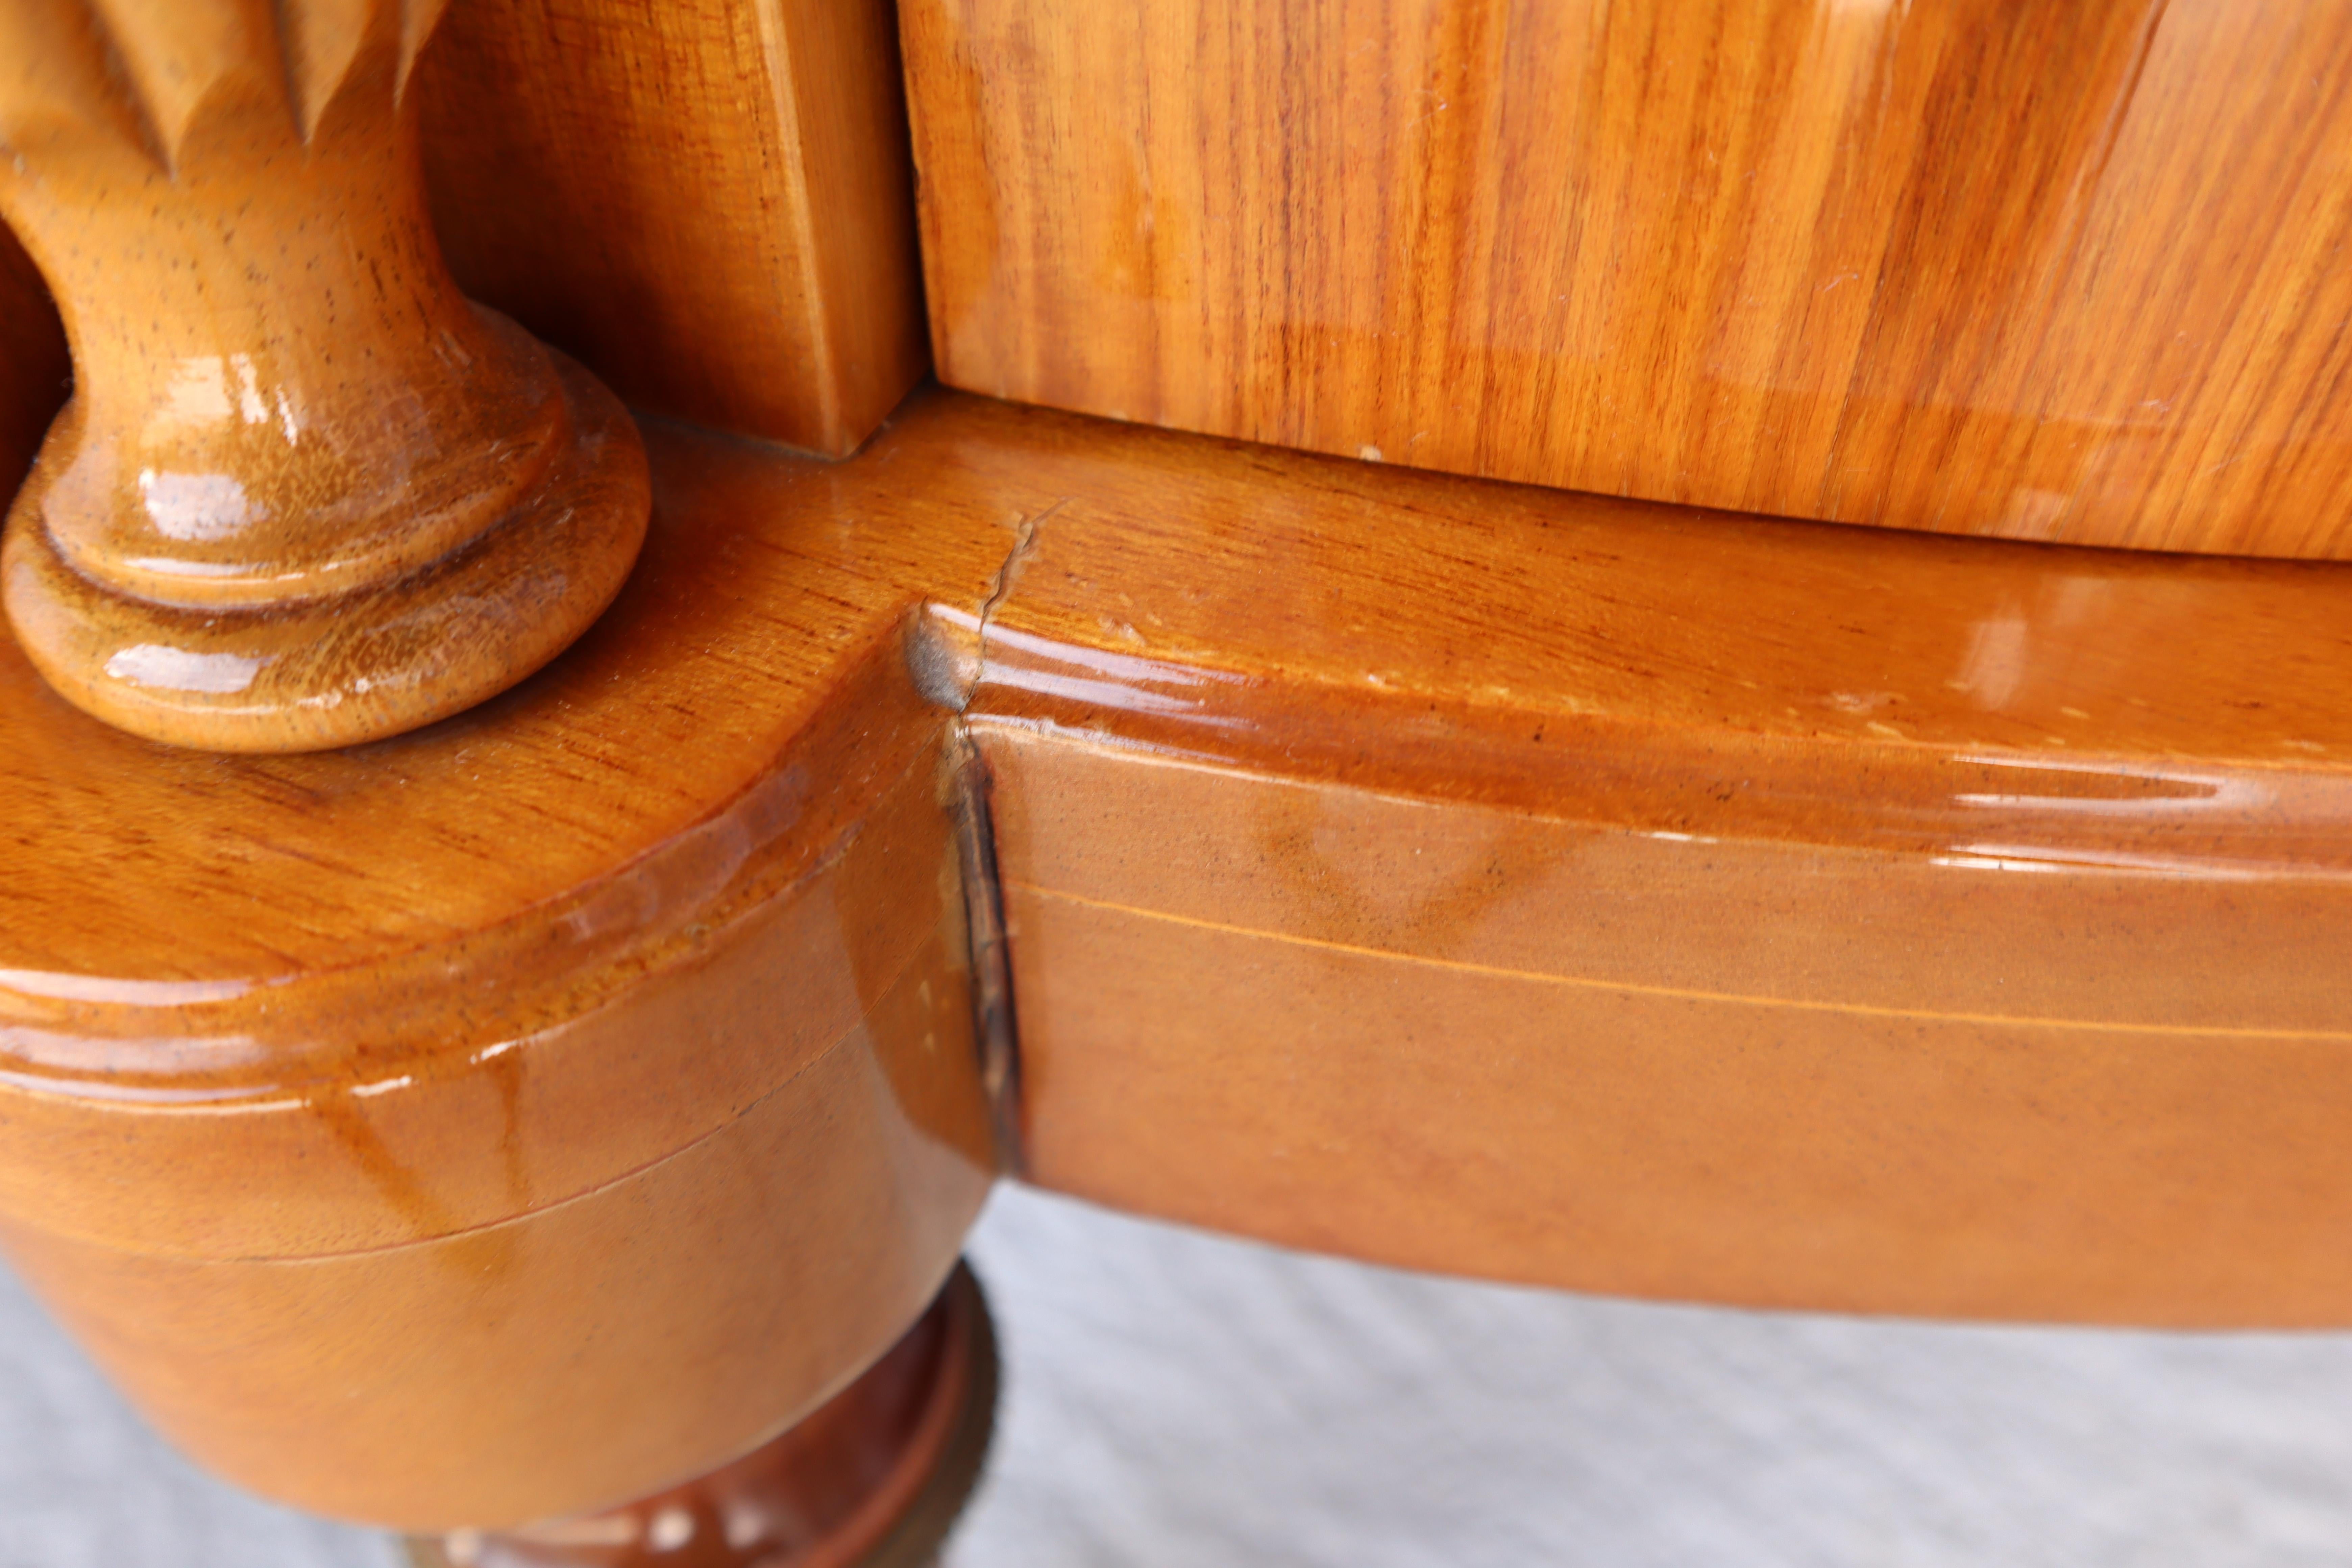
x: 1644, y: 900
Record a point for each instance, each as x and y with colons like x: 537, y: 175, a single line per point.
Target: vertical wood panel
x: 2044, y: 272
x: 708, y: 201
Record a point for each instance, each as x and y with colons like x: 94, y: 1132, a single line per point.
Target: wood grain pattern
x: 524, y: 1115
x: 33, y: 367
x: 518, y: 1116
x: 2054, y: 272
x: 306, y: 494
x: 1618, y: 897
x: 709, y: 203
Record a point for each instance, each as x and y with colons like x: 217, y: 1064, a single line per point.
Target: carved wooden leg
x: 305, y: 494
x: 873, y: 1479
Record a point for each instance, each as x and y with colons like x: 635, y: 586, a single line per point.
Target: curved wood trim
x: 509, y: 1119
x: 1644, y: 900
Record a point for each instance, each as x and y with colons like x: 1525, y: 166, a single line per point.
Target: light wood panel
x: 709, y: 203
x: 1636, y: 899
x: 2042, y: 272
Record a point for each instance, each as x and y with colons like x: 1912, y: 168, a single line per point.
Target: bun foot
x: 875, y: 1479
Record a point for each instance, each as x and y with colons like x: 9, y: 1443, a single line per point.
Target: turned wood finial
x: 305, y: 493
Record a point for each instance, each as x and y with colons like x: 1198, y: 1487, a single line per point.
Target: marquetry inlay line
x: 1679, y: 993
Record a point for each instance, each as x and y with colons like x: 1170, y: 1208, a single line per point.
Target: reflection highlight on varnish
x: 2113, y: 788
x: 2057, y: 791
x: 610, y: 1045
x: 1635, y: 899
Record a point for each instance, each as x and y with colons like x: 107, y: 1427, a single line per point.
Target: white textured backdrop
x: 1177, y: 1401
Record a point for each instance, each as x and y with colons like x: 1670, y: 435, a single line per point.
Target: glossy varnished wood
x: 514, y: 1118
x: 306, y: 494
x: 873, y: 1479
x: 1636, y: 899
x: 709, y: 203
x: 2041, y: 271
x: 519, y: 1116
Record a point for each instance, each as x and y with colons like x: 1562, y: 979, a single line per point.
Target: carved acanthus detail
x: 305, y: 493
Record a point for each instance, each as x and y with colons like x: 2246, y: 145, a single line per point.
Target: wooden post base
x: 875, y: 1479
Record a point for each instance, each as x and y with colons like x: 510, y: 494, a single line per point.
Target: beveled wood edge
x: 2213, y: 782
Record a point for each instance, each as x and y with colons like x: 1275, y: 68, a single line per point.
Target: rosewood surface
x: 2041, y: 271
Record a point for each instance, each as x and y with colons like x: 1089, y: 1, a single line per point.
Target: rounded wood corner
x: 612, y: 1045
